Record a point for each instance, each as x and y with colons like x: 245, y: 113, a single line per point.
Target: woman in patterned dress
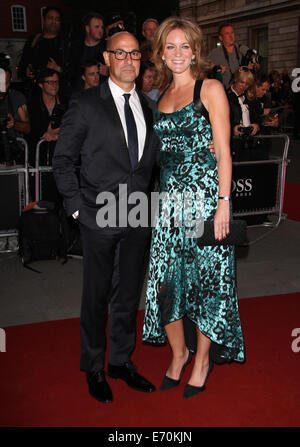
x: 187, y: 281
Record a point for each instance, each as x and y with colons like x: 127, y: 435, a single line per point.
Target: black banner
x: 9, y: 201
x: 254, y: 187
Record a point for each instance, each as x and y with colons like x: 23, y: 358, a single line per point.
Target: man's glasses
x: 122, y: 54
x: 244, y: 68
x: 50, y: 82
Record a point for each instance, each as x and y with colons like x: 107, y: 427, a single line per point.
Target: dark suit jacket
x: 92, y: 130
x: 236, y: 111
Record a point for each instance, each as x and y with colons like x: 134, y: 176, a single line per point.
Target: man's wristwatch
x: 224, y: 198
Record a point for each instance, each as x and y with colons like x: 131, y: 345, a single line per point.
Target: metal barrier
x: 242, y: 172
x: 15, y: 199
x: 252, y: 202
x: 40, y: 170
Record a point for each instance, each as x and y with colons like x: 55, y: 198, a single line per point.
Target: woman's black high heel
x: 169, y: 383
x: 191, y: 390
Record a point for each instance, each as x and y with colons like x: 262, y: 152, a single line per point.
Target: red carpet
x: 291, y: 201
x: 41, y: 385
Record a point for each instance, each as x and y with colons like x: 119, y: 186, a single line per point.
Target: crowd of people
x: 120, y: 134
x: 53, y: 69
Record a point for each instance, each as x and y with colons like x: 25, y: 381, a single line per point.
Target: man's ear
x: 106, y: 58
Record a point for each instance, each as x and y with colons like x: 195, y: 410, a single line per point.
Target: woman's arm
x: 215, y: 100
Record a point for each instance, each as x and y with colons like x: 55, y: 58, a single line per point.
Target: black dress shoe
x: 98, y: 386
x: 168, y: 383
x: 191, y: 390
x: 128, y: 373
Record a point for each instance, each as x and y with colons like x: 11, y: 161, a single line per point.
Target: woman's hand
x: 222, y: 219
x: 211, y: 148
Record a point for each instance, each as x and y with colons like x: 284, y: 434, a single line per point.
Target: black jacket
x: 236, y: 111
x: 40, y: 118
x: 38, y: 50
x: 92, y: 130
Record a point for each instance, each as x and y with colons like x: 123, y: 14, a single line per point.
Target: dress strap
x: 198, y: 105
x: 162, y: 94
x: 197, y: 90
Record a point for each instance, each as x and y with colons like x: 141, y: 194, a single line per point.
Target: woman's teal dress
x: 184, y: 279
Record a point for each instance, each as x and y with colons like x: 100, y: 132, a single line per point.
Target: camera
x: 4, y: 61
x: 36, y: 71
x: 212, y: 74
x: 10, y: 150
x: 251, y: 57
x: 246, y: 131
x: 116, y: 29
x: 4, y: 141
x: 217, y: 69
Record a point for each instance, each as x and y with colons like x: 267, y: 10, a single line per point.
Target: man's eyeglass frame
x: 125, y: 53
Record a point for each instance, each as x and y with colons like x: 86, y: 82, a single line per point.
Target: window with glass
x: 259, y: 40
x: 18, y: 15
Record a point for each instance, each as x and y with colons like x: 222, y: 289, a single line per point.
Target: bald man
x: 114, y: 136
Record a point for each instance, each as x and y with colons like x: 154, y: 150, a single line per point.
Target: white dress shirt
x: 138, y: 114
x: 137, y: 111
x: 245, y: 109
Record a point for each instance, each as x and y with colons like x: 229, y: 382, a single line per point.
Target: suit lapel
x: 148, y: 116
x: 113, y: 114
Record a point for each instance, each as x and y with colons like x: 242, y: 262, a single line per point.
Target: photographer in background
x: 48, y: 49
x: 14, y: 120
x: 268, y: 117
x: 227, y: 58
x: 114, y: 23
x: 45, y: 113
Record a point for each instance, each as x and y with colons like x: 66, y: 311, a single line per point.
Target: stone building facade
x: 270, y: 26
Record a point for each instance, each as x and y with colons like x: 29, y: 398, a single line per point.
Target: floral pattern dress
x: 185, y: 280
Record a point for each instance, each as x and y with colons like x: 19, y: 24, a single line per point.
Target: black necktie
x: 133, y: 146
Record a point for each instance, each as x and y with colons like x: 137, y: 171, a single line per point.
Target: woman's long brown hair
x: 193, y: 33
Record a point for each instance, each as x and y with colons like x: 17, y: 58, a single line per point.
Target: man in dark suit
x: 113, y: 135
